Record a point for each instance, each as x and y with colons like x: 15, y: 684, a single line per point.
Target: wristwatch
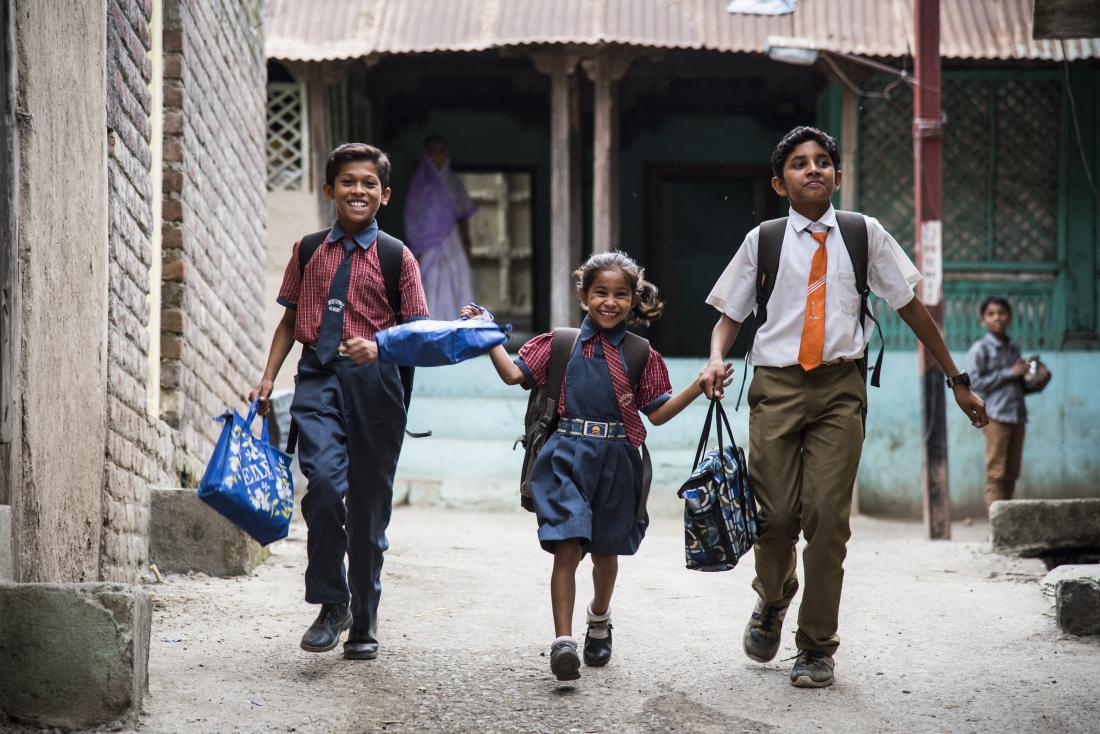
x: 960, y: 379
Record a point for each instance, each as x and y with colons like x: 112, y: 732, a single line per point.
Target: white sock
x: 564, y: 638
x: 600, y: 632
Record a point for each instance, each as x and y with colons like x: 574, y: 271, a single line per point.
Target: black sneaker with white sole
x: 812, y: 669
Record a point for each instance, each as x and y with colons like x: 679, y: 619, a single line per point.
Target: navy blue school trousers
x: 351, y: 422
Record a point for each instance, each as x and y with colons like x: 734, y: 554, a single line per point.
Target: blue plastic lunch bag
x: 248, y: 480
x: 427, y: 343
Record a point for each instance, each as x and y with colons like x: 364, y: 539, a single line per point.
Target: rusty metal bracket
x: 928, y: 127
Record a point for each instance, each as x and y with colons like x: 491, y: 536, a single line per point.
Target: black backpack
x: 853, y: 229
x: 541, y: 418
x: 390, y: 257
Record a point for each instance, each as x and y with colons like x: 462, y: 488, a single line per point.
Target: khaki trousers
x: 1004, y: 447
x: 805, y: 440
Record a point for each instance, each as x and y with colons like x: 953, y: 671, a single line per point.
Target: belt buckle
x: 598, y: 429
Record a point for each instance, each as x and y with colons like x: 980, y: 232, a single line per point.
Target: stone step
x: 75, y: 655
x: 7, y: 561
x: 1053, y: 529
x: 186, y: 534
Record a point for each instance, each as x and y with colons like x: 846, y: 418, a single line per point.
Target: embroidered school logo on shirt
x: 335, y: 305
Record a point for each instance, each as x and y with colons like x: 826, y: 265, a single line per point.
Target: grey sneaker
x: 812, y: 669
x: 763, y: 631
x: 565, y: 664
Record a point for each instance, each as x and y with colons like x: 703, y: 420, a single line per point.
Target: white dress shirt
x: 890, y: 276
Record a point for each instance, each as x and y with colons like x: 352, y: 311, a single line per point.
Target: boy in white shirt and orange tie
x: 808, y: 396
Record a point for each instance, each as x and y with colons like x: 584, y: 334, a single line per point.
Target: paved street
x: 936, y: 637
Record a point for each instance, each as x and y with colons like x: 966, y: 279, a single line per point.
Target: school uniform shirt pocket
x: 846, y: 294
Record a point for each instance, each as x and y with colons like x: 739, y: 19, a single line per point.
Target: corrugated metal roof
x: 317, y: 30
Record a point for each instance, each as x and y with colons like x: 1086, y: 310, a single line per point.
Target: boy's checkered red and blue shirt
x: 368, y: 310
x: 654, y: 385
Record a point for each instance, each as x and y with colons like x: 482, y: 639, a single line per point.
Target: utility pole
x: 927, y: 145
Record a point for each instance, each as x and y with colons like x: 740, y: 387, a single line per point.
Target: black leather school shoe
x: 564, y: 663
x: 360, y: 646
x: 597, y: 651
x: 324, y: 633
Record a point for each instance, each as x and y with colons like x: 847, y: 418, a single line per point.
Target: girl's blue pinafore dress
x: 587, y: 487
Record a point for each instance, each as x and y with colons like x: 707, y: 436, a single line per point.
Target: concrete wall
x: 214, y: 218
x: 469, y: 461
x: 290, y: 214
x: 139, y: 446
x: 61, y: 394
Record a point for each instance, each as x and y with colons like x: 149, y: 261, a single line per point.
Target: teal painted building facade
x: 695, y: 133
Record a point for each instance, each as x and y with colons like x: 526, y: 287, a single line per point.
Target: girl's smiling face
x: 609, y: 299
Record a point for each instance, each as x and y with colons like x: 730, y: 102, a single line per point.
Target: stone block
x: 73, y: 655
x: 185, y: 534
x: 7, y: 564
x: 1066, y: 572
x: 1036, y: 528
x: 1077, y: 606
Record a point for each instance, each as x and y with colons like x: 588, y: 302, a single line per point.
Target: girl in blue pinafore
x: 587, y: 479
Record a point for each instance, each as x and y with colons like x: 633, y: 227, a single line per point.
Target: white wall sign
x: 931, y: 262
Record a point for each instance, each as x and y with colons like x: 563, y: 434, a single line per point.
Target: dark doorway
x: 698, y: 217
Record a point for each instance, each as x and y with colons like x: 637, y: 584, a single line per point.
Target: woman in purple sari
x: 437, y: 213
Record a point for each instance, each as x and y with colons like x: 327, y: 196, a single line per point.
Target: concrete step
x: 74, y: 655
x: 7, y: 562
x: 186, y: 534
x: 1057, y: 530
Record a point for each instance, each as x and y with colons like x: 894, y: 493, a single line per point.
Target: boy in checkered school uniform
x: 586, y: 484
x: 349, y: 409
x: 808, y: 396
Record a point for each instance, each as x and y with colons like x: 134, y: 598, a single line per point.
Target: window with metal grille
x: 1000, y: 195
x: 287, y: 139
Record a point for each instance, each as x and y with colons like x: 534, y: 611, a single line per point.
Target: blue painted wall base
x: 469, y: 461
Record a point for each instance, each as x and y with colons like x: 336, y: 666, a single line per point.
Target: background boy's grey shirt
x: 989, y: 363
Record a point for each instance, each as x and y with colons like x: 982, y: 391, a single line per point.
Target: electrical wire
x: 884, y: 94
x: 1076, y: 125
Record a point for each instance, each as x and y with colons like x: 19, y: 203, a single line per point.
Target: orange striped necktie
x: 812, y: 347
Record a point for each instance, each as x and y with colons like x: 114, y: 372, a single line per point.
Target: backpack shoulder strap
x: 391, y: 255
x: 853, y: 229
x: 769, y: 246
x: 308, y: 246
x: 637, y: 357
x: 561, y: 347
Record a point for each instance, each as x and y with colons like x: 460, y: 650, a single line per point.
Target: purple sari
x: 437, y: 200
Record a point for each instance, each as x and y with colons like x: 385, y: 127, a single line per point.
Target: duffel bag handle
x: 722, y: 420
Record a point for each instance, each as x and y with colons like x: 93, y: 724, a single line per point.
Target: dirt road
x: 936, y: 637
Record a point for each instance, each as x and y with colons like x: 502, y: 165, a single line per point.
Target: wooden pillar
x: 565, y: 184
x: 605, y: 71
x: 849, y: 154
x: 318, y: 143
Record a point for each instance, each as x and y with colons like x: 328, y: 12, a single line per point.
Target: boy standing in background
x: 997, y: 374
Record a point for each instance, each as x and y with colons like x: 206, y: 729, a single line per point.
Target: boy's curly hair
x: 649, y: 307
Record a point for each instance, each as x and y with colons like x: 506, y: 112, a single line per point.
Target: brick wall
x: 139, y: 446
x: 213, y: 345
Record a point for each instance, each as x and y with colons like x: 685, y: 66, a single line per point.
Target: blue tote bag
x: 427, y: 343
x: 248, y: 480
